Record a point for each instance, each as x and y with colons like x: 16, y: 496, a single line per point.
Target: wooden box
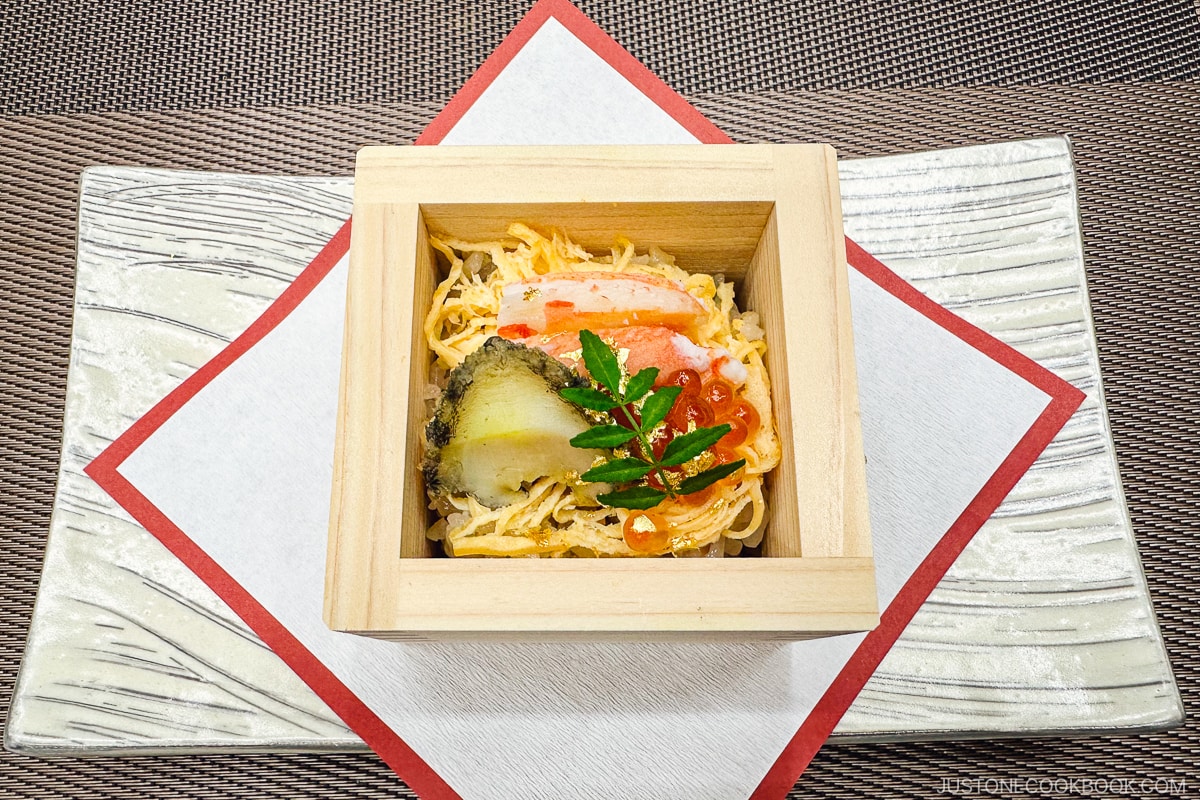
x: 767, y: 216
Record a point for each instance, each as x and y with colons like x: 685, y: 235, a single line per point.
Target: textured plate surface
x: 1044, y: 621
x: 1044, y: 624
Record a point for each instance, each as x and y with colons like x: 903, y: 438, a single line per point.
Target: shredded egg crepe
x: 561, y: 518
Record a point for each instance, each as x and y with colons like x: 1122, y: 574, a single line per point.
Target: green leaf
x: 594, y: 399
x: 601, y: 362
x: 637, y: 497
x: 617, y: 470
x: 640, y: 384
x: 686, y: 447
x: 658, y: 405
x: 603, y: 436
x: 710, y: 476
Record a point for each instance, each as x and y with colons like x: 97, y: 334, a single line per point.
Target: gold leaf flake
x: 643, y: 524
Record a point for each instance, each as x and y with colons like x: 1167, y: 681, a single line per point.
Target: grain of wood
x: 762, y: 215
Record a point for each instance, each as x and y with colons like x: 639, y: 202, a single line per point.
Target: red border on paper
x: 599, y: 43
x: 1064, y: 400
x: 104, y: 471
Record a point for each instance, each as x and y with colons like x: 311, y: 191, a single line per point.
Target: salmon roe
x: 720, y: 396
x: 647, y: 532
x: 699, y: 405
x: 690, y: 409
x: 724, y: 454
x: 655, y: 482
x: 737, y: 432
x: 700, y: 498
x: 686, y: 379
x: 748, y: 415
x: 621, y: 419
x: 660, y: 437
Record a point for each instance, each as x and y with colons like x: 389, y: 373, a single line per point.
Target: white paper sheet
x: 244, y: 469
x: 558, y: 91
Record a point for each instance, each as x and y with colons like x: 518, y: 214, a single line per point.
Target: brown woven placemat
x: 1138, y: 158
x: 130, y: 55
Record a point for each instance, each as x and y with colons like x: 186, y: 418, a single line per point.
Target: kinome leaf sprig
x: 605, y: 370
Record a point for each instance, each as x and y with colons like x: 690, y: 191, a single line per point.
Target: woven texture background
x: 65, y: 56
x: 804, y: 73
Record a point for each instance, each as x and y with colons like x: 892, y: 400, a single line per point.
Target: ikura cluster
x: 715, y: 402
x: 699, y: 405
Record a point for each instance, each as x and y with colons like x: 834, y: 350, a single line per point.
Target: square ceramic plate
x: 1008, y: 644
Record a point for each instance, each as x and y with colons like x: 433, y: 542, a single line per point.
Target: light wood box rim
x: 783, y: 208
